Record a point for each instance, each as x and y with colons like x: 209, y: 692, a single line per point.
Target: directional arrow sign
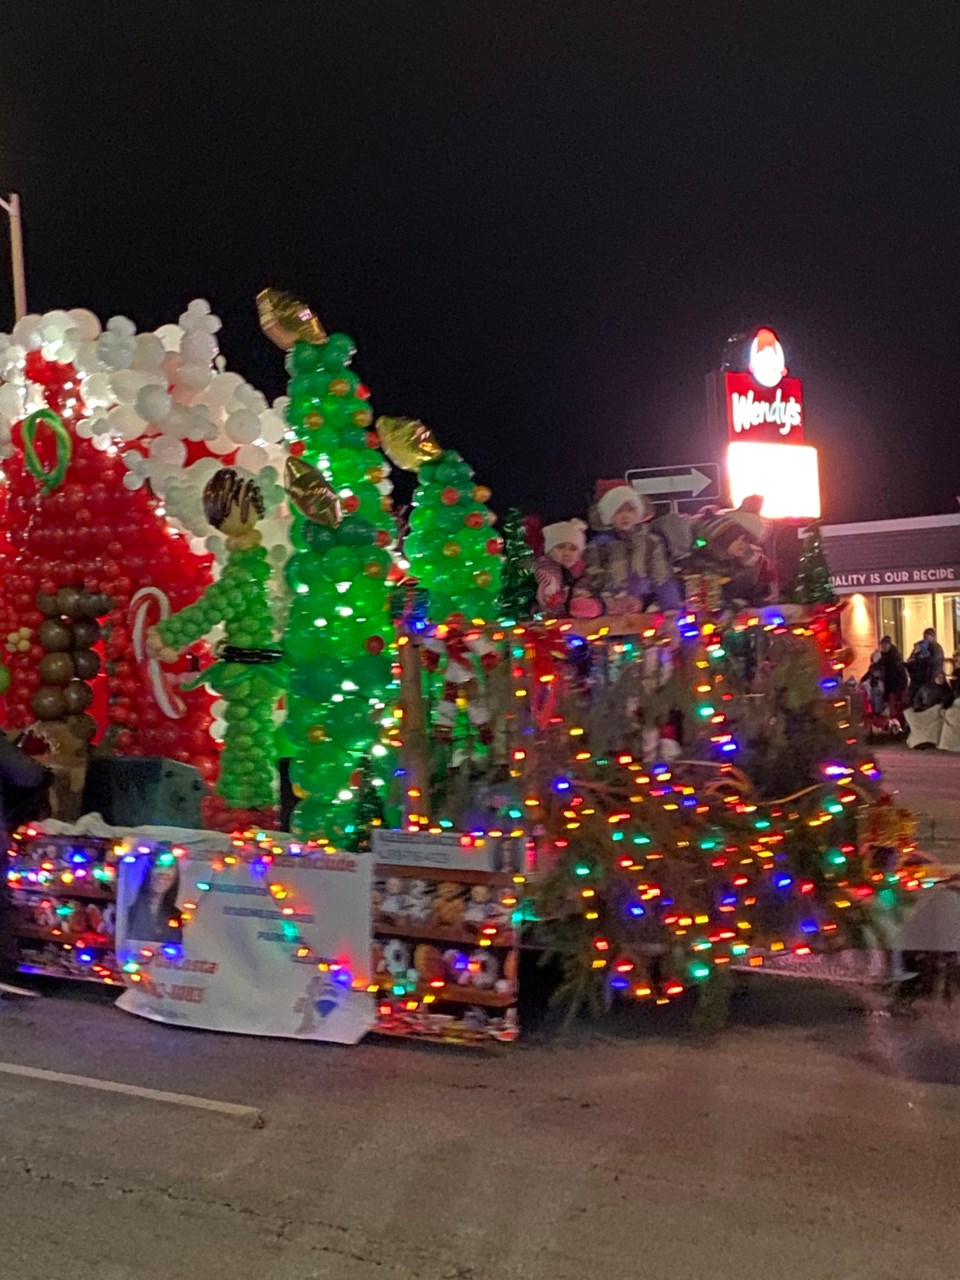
x: 701, y: 480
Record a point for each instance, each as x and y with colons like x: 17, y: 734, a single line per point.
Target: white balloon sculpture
x: 146, y: 395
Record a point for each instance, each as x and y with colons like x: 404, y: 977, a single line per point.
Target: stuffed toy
x: 460, y: 648
x: 626, y: 565
x: 396, y: 958
x: 393, y: 899
x: 428, y: 962
x: 64, y: 754
x: 478, y: 908
x: 45, y: 915
x: 457, y: 965
x: 417, y: 904
x: 484, y: 969
x: 448, y: 904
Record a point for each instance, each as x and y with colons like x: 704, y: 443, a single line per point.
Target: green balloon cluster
x: 339, y: 630
x: 452, y: 547
x: 238, y: 599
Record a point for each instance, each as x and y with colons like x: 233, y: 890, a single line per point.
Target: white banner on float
x: 449, y: 850
x: 238, y: 962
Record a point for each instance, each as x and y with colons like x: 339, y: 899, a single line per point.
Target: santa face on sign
x: 766, y: 358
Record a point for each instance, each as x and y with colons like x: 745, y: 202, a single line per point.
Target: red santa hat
x: 610, y: 502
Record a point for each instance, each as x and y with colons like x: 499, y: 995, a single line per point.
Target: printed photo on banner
x: 148, y: 909
x: 276, y: 946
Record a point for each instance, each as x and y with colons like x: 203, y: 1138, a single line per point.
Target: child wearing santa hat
x: 559, y: 571
x: 626, y: 565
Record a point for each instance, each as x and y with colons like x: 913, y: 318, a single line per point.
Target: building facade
x: 899, y: 577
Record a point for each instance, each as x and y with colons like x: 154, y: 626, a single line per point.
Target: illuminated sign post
x: 766, y: 453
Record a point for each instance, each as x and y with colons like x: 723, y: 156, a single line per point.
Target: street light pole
x: 12, y: 206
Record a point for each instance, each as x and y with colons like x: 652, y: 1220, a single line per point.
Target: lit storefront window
x: 899, y: 577
x: 905, y: 618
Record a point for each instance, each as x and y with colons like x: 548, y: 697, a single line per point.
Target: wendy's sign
x: 763, y: 404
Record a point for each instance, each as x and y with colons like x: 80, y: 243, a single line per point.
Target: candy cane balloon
x: 162, y: 683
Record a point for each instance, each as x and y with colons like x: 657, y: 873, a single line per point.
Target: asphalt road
x: 928, y: 783
x: 811, y: 1136
x: 814, y: 1136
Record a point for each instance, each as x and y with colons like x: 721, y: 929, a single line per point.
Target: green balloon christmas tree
x: 452, y: 546
x: 339, y: 630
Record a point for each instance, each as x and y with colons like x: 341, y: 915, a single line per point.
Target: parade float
x: 618, y: 753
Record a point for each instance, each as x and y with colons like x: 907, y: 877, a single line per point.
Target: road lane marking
x: 135, y: 1091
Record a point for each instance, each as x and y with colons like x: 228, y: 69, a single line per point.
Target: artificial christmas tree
x: 813, y: 576
x: 518, y: 586
x: 763, y: 839
x: 368, y: 809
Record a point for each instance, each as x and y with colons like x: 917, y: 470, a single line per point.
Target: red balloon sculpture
x: 92, y: 533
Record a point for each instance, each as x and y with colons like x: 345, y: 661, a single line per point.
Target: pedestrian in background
x: 936, y: 653
x: 920, y: 667
x: 874, y: 685
x: 894, y: 678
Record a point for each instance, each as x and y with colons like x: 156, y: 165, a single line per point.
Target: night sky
x: 539, y: 220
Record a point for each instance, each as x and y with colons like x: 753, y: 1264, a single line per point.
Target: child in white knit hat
x: 559, y: 570
x: 626, y: 565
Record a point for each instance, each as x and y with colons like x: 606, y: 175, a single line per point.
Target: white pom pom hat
x: 574, y: 531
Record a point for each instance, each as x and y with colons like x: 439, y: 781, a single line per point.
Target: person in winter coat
x: 732, y: 543
x: 873, y: 684
x: 559, y: 572
x: 894, y: 677
x: 936, y: 653
x: 937, y: 693
x: 920, y: 669
x: 18, y: 773
x: 626, y: 565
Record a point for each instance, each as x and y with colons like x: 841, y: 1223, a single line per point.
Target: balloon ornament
x: 339, y: 630
x: 49, y: 480
x: 407, y: 442
x: 250, y: 673
x: 311, y: 494
x: 286, y: 321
